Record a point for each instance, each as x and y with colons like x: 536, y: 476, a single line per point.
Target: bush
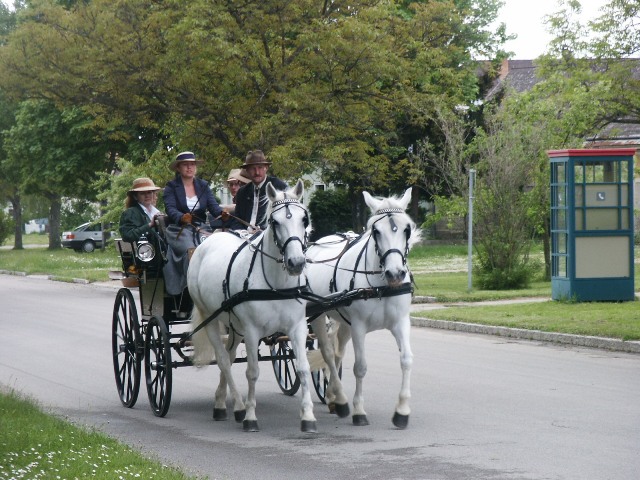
x: 330, y: 212
x: 6, y: 226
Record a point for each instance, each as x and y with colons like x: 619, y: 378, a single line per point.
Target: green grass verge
x: 600, y: 319
x: 35, y: 445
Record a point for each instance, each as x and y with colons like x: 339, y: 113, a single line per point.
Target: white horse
x: 251, y: 287
x: 372, y: 267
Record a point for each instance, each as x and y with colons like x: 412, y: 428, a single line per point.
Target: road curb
x: 535, y: 335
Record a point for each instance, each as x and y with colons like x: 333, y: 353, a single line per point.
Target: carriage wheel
x: 284, y: 367
x: 320, y: 381
x: 126, y: 345
x: 157, y: 366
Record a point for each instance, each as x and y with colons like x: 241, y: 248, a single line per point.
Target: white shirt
x: 256, y: 202
x: 151, y: 212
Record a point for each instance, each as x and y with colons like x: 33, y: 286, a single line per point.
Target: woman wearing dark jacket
x: 187, y: 200
x: 139, y: 218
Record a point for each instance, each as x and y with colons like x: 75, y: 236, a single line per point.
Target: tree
x: 332, y: 86
x: 55, y: 155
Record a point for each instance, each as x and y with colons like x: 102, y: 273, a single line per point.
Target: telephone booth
x: 592, y: 224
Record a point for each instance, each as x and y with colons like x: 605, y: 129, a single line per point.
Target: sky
x: 524, y: 18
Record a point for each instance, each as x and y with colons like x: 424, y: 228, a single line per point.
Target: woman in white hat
x: 140, y: 215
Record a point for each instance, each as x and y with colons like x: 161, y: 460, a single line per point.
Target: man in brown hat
x: 251, y: 200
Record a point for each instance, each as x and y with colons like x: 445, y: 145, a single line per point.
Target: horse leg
x: 298, y: 338
x: 224, y: 364
x: 250, y: 422
x: 401, y: 334
x: 359, y: 371
x: 220, y: 408
x: 334, y: 395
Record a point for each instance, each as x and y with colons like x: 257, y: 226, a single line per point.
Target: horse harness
x: 344, y: 298
x: 294, y: 293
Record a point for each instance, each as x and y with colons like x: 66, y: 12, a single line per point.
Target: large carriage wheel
x: 157, y: 366
x: 126, y: 345
x: 284, y: 366
x: 320, y: 381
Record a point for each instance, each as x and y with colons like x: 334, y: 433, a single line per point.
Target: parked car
x: 85, y: 238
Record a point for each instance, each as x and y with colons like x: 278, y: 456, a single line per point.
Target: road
x: 482, y: 407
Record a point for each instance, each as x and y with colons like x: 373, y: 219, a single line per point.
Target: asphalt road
x: 483, y: 407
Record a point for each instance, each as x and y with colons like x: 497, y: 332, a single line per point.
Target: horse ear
x: 271, y: 192
x: 298, y: 190
x: 406, y: 198
x: 371, y: 202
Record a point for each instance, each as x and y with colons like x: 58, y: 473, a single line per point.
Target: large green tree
x: 55, y: 155
x: 334, y: 85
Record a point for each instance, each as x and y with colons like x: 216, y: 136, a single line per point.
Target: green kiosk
x: 592, y: 224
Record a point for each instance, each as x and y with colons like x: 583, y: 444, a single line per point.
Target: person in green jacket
x: 139, y: 218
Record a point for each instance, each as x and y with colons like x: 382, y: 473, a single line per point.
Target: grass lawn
x: 600, y: 319
x: 36, y: 445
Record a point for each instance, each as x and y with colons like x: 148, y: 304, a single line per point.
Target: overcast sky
x: 524, y: 18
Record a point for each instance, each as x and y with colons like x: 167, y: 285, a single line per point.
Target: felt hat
x: 144, y: 184
x: 239, y: 175
x: 184, y: 157
x: 255, y: 157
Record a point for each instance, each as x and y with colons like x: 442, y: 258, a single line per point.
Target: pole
x: 472, y: 178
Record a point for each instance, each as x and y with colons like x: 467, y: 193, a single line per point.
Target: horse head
x: 393, y: 233
x: 288, y: 222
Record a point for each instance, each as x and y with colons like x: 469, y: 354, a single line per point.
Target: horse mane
x: 394, y: 202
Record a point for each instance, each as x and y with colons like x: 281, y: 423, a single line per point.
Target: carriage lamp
x: 145, y: 251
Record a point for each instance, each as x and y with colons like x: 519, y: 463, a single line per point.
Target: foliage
x: 54, y: 154
x: 340, y: 87
x: 6, y: 226
x: 76, y: 212
x: 330, y: 212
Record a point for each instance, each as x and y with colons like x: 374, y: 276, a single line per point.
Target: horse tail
x: 203, y: 352
x: 316, y: 361
x: 315, y: 358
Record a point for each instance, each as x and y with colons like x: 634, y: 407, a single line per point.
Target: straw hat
x: 143, y: 184
x: 184, y: 157
x: 239, y: 175
x: 255, y: 157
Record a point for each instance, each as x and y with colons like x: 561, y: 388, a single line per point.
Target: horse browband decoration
x: 382, y: 211
x: 284, y: 201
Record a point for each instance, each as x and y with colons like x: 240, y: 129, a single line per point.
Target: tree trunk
x: 55, y: 209
x: 17, y: 218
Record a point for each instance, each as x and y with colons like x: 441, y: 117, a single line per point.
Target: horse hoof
x: 400, y: 421
x: 219, y: 414
x: 332, y: 407
x: 360, y: 420
x: 342, y: 409
x: 308, y: 426
x: 250, y: 426
x: 239, y: 415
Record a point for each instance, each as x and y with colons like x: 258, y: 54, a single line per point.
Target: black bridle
x: 386, y: 213
x: 286, y: 203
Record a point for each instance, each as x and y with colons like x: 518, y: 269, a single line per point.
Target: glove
x: 186, y: 219
x: 225, y: 215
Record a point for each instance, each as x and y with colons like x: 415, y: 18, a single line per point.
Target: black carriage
x: 157, y: 332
